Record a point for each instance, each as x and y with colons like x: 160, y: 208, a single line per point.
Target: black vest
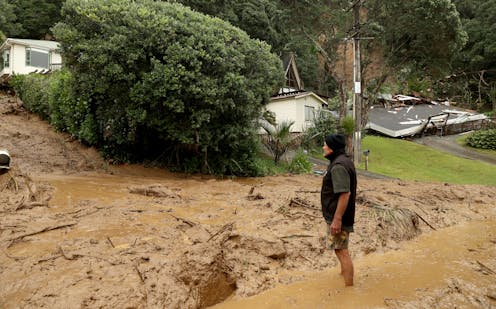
x: 329, y: 199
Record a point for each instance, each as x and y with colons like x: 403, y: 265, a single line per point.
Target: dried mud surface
x: 78, y: 233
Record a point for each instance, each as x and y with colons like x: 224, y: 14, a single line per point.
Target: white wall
x: 18, y: 60
x: 300, y: 124
x: 285, y: 110
x: 293, y: 109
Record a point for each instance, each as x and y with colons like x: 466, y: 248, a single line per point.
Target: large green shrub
x: 160, y: 80
x: 33, y: 89
x: 484, y: 139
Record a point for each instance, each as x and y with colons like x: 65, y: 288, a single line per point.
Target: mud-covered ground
x: 77, y: 232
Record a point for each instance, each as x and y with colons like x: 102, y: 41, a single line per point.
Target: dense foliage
x: 288, y: 26
x: 157, y: 80
x: 473, y: 79
x: 484, y: 139
x: 33, y: 89
x: 323, y: 124
x: 29, y: 19
x: 424, y: 35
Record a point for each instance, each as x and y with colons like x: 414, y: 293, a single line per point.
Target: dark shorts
x: 337, y: 241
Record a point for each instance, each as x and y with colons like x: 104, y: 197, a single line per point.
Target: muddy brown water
x: 424, y: 264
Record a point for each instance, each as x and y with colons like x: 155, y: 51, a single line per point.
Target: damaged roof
x: 409, y: 120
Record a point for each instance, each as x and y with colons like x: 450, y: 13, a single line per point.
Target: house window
x: 37, y: 58
x: 309, y: 113
x: 6, y: 59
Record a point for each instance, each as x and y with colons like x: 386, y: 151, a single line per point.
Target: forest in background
x: 441, y: 49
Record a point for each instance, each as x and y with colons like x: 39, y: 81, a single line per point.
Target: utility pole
x: 357, y: 85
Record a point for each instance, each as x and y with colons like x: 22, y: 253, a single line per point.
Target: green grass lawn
x: 410, y: 161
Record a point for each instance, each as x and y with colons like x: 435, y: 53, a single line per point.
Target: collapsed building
x: 403, y: 116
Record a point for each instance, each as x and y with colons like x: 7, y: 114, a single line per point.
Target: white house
x: 292, y: 103
x: 297, y: 106
x: 23, y: 56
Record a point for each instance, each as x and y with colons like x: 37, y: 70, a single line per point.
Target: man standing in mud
x: 338, y: 201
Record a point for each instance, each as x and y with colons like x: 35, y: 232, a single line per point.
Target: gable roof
x: 41, y: 44
x: 296, y: 95
x: 291, y: 73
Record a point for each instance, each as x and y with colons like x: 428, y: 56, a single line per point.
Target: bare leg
x: 346, y: 265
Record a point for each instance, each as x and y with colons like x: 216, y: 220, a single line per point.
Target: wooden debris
x: 110, y: 242
x: 23, y: 205
x: 298, y: 236
x: 225, y: 227
x: 142, y: 278
x: 486, y: 268
x: 255, y: 197
x: 155, y: 191
x: 425, y: 221
x: 46, y: 229
x: 302, y: 203
x: 188, y: 222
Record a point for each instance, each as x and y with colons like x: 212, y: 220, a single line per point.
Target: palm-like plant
x: 348, y: 127
x: 278, y: 138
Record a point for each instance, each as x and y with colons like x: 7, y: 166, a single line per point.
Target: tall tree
x: 424, y: 35
x: 30, y: 19
x: 416, y: 39
x: 288, y: 26
x: 8, y: 19
x: 155, y: 78
x: 474, y: 70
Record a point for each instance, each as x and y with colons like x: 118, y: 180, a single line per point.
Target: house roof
x: 291, y: 71
x: 42, y: 44
x: 296, y: 94
x: 412, y: 119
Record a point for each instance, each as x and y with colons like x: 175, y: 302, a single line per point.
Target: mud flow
x: 452, y: 261
x: 76, y: 232
x: 148, y: 238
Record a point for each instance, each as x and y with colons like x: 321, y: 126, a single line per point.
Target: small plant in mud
x: 278, y: 139
x: 300, y: 164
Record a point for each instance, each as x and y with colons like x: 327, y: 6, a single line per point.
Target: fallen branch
x: 255, y: 197
x: 139, y: 274
x: 298, y: 235
x: 31, y: 205
x: 300, y: 255
x: 110, y: 242
x: 49, y: 258
x: 190, y: 223
x: 46, y: 229
x: 8, y: 182
x: 301, y: 203
x: 77, y: 216
x: 486, y: 268
x: 221, y: 230
x: 425, y: 221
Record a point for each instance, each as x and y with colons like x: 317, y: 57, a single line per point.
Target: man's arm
x: 337, y: 220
